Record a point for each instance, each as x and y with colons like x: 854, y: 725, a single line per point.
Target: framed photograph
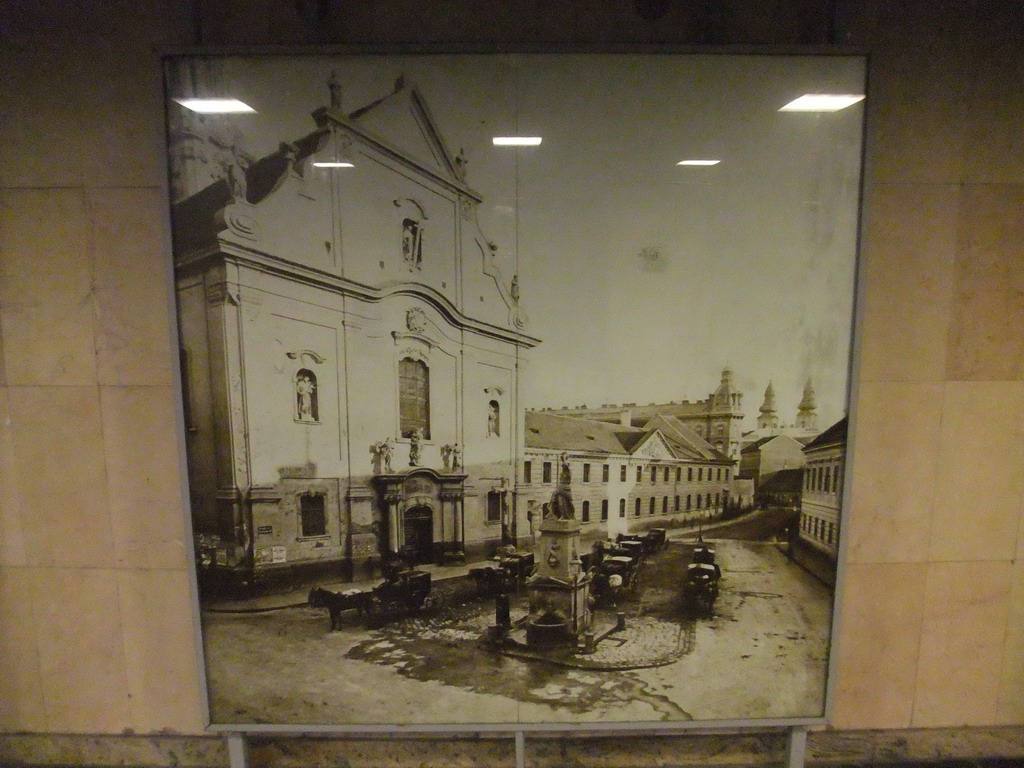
x: 515, y: 385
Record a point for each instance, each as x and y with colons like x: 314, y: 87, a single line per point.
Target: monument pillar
x: 559, y: 591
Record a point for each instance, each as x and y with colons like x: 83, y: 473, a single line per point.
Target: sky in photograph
x: 642, y: 278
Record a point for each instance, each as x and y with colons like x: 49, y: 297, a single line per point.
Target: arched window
x: 414, y: 397
x: 664, y: 505
x: 622, y: 507
x: 699, y: 499
x: 651, y: 511
x: 585, y: 514
x: 636, y: 511
x: 493, y: 418
x: 306, y: 405
x: 689, y: 502
x: 604, y: 509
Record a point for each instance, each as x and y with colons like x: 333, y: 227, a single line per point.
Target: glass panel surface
x: 390, y: 319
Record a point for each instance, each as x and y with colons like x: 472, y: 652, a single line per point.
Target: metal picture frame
x: 405, y: 515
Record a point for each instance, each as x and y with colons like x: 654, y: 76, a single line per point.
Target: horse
x: 336, y: 602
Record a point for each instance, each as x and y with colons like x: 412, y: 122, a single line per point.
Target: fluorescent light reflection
x: 341, y: 164
x: 698, y: 162
x: 516, y: 141
x: 216, y: 106
x: 822, y: 102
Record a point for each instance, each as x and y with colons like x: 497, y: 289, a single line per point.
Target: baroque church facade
x: 350, y: 347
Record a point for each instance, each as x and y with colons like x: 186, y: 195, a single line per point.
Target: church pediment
x: 653, y: 447
x: 403, y: 122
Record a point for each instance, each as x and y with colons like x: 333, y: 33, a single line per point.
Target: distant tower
x: 769, y: 418
x: 724, y: 415
x: 725, y: 396
x: 807, y: 415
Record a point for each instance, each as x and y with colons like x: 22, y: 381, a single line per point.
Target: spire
x: 768, y: 419
x: 807, y: 416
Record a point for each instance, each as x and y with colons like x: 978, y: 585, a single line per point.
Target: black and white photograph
x: 515, y: 386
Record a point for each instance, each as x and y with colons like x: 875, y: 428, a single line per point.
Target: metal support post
x: 520, y: 749
x: 238, y: 750
x: 796, y: 747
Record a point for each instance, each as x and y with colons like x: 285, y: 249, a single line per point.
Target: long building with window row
x: 624, y: 478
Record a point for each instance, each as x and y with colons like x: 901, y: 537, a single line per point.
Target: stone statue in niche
x: 446, y: 456
x: 306, y: 396
x: 493, y: 419
x: 456, y: 458
x: 415, y: 447
x: 412, y: 243
x: 514, y: 289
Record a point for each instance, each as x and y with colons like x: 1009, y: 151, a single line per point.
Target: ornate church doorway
x: 419, y: 535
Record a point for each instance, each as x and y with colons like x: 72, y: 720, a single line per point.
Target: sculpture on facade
x: 493, y: 419
x: 382, y: 454
x: 415, y: 447
x: 446, y: 456
x: 304, y: 389
x: 456, y: 458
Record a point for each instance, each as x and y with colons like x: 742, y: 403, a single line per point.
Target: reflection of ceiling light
x: 215, y: 106
x: 822, y: 102
x: 698, y: 162
x: 340, y: 164
x: 516, y: 141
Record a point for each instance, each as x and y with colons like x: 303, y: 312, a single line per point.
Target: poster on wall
x: 515, y: 385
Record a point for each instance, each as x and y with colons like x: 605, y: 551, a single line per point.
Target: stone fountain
x: 559, y: 591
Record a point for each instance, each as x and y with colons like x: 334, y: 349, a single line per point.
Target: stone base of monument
x: 559, y: 612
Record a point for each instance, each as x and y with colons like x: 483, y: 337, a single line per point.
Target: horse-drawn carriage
x: 613, y: 575
x: 404, y: 591
x: 700, y: 589
x: 509, y: 571
x: 651, y: 541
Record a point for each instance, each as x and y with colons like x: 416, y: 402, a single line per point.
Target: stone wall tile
x: 126, y: 750
x: 12, y: 537
x: 21, y: 697
x: 77, y: 621
x: 134, y: 299
x: 979, y: 486
x: 951, y: 743
x: 87, y: 110
x: 59, y: 476
x: 1010, y: 707
x: 917, y: 106
x: 995, y: 153
x: 46, y: 305
x: 875, y: 680
x: 160, y: 651
x: 894, y: 467
x: 966, y: 607
x: 145, y: 477
x: 908, y: 251
x: 987, y: 311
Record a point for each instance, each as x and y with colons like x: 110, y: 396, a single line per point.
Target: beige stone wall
x: 96, y: 629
